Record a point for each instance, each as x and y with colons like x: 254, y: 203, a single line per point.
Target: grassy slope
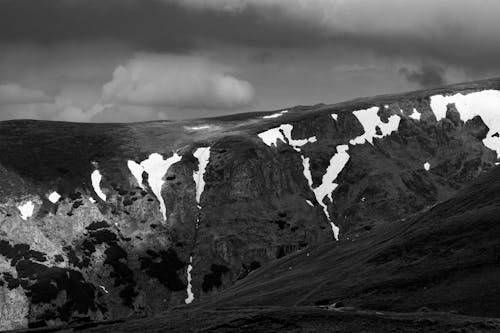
x: 299, y: 320
x: 447, y: 258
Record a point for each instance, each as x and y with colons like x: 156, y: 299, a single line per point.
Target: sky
x: 140, y: 60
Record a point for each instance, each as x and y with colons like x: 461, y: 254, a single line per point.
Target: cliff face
x: 100, y: 221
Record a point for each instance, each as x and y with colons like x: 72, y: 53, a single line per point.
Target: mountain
x: 107, y: 221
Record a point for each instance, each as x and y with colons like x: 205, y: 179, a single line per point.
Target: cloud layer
x: 15, y: 94
x: 145, y: 87
x: 136, y: 60
x: 176, y: 81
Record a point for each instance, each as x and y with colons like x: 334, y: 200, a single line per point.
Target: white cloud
x: 60, y: 109
x: 176, y: 81
x: 15, y: 94
x: 147, y: 87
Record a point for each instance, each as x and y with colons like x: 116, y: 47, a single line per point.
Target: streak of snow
x: 485, y: 104
x: 26, y: 209
x: 137, y: 170
x: 307, y: 170
x: 415, y: 115
x: 54, y: 197
x: 328, y: 185
x: 275, y: 115
x: 104, y: 289
x: 370, y: 120
x: 203, y: 155
x: 156, y: 168
x: 427, y: 166
x: 96, y: 178
x: 197, y: 128
x: 190, y: 296
x: 309, y: 203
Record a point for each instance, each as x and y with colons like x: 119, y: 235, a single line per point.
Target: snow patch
x: 197, y: 128
x: 26, y: 209
x: 335, y: 116
x: 190, y: 296
x: 156, y: 168
x: 284, y: 133
x: 203, y: 155
x: 96, y: 178
x: 427, y: 166
x: 137, y: 170
x: 485, y: 104
x: 370, y: 120
x: 307, y: 170
x: 415, y: 114
x: 54, y: 197
x: 92, y: 200
x: 271, y: 136
x: 275, y: 115
x: 328, y: 185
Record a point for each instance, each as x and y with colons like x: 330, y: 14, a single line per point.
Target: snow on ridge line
x: 203, y: 155
x: 284, y: 133
x: 156, y: 168
x: 275, y: 115
x: 271, y: 136
x: 197, y: 128
x: 369, y: 119
x: 485, y: 103
x: 54, y: 197
x: 26, y: 209
x: 96, y: 178
x: 189, y: 290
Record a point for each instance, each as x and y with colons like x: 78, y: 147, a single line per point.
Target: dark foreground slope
x: 127, y: 244
x: 429, y: 273
x: 295, y: 320
x: 446, y: 259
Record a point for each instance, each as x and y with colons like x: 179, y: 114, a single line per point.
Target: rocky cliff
x: 101, y: 221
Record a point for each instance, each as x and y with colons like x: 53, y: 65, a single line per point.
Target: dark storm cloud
x: 445, y: 31
x: 149, y: 24
x: 426, y: 76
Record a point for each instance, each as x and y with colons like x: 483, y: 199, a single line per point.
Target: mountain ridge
x: 130, y: 226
